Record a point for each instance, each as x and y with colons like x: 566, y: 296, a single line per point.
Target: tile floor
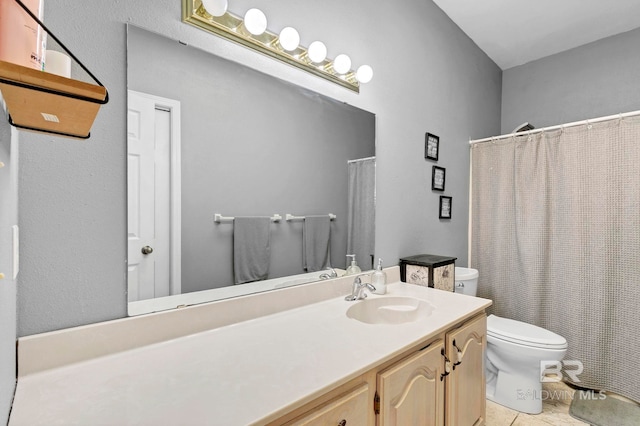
x: 555, y: 410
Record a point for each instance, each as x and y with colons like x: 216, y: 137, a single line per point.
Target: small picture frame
x: 445, y: 207
x: 431, y: 146
x: 437, y: 178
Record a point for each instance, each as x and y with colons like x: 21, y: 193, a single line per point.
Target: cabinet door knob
x: 147, y: 250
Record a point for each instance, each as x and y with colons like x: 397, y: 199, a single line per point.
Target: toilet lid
x: 523, y: 333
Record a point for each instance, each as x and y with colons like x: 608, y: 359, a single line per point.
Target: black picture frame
x: 438, y: 176
x: 431, y: 146
x: 446, y: 206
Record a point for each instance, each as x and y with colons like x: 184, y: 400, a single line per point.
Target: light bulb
x: 289, y: 39
x: 317, y: 52
x: 364, y: 74
x: 342, y: 64
x: 255, y: 21
x: 215, y: 7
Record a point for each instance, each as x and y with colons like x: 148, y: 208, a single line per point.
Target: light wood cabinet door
x: 351, y: 409
x: 411, y: 391
x: 466, y: 399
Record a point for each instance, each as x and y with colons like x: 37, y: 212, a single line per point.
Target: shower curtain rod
x: 556, y: 127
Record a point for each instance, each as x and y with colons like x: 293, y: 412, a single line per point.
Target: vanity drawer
x: 350, y: 409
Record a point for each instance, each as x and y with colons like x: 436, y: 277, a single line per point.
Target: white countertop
x: 237, y: 374
x: 157, y: 304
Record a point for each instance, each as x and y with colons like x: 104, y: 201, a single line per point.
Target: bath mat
x: 604, y: 412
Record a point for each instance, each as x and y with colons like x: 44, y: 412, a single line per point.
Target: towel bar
x: 218, y: 218
x: 290, y: 217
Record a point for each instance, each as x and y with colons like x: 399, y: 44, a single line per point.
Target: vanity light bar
x: 251, y: 32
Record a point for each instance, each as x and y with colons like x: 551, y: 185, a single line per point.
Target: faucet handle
x: 333, y: 273
x: 357, y: 284
x: 357, y: 290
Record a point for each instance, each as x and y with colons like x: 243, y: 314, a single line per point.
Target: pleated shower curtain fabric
x: 556, y: 241
x: 361, y: 211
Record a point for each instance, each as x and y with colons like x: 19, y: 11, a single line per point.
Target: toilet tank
x: 466, y: 281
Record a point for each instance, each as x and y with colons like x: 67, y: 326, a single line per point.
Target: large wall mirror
x: 206, y: 136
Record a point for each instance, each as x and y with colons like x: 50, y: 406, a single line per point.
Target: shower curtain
x: 361, y: 211
x: 556, y: 238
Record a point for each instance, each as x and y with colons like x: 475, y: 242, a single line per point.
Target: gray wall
x: 251, y: 145
x: 8, y: 218
x: 429, y: 76
x: 595, y: 80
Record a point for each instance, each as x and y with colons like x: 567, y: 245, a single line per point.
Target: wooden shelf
x: 50, y: 103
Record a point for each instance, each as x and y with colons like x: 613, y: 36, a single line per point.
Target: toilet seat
x: 523, y: 334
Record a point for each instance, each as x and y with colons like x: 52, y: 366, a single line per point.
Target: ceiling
x: 514, y: 32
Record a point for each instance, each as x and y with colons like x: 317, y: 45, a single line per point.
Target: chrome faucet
x: 357, y: 292
x: 329, y: 275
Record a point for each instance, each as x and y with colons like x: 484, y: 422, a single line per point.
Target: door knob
x: 147, y: 250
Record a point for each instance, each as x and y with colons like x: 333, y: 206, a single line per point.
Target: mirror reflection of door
x: 153, y: 246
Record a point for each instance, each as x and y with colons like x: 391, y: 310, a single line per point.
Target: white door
x: 153, y: 196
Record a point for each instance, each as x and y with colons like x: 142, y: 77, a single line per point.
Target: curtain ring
x: 589, y: 125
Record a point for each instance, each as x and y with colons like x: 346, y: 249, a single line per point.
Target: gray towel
x: 316, y: 236
x: 251, y: 253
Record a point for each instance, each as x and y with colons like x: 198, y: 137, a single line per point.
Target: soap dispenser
x: 379, y: 279
x: 353, y: 269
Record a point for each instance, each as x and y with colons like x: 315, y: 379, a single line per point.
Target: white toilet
x: 515, y: 352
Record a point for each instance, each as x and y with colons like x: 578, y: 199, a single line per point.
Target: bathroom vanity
x: 299, y: 355
x: 439, y: 383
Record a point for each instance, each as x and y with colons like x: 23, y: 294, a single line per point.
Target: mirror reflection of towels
x: 251, y: 249
x: 316, y: 236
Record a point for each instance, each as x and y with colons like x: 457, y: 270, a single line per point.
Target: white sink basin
x: 390, y: 310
